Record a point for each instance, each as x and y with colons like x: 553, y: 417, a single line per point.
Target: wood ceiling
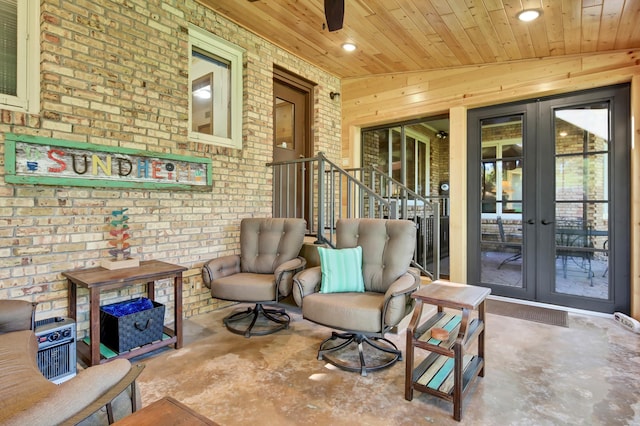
x: 410, y: 35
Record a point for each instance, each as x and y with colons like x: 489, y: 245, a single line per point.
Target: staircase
x: 321, y: 192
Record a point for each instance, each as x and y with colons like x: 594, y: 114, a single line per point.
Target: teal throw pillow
x: 341, y: 270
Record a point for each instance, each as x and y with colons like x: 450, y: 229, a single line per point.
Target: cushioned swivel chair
x: 97, y: 395
x: 262, y: 273
x: 384, y: 299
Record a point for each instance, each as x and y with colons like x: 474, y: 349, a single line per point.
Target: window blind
x: 8, y: 47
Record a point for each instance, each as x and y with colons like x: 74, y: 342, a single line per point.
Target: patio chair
x: 262, y: 273
x: 363, y: 288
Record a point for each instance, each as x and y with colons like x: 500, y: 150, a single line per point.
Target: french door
x: 549, y: 199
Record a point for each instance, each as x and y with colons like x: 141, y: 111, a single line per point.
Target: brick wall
x: 116, y: 73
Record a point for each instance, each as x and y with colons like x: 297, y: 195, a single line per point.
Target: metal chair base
x: 378, y: 343
x: 277, y: 316
x: 509, y: 259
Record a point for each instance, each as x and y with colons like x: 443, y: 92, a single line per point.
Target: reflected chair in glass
x: 508, y: 245
x: 574, y: 239
x: 262, y: 273
x: 606, y: 254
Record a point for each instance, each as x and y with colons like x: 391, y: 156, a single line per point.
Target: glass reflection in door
x: 501, y: 181
x: 285, y: 124
x: 582, y: 200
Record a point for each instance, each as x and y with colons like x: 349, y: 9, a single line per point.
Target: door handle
x: 546, y: 222
x: 531, y: 222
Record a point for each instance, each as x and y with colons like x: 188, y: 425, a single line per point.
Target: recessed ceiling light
x: 349, y: 47
x: 528, y: 15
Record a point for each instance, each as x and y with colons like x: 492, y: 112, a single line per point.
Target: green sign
x: 46, y: 161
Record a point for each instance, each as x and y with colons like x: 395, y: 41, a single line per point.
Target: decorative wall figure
x: 119, y: 230
x: 121, y: 250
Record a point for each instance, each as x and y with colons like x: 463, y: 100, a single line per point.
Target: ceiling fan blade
x: 334, y: 12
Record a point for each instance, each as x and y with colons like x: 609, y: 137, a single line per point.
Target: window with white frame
x: 20, y: 55
x: 215, y: 101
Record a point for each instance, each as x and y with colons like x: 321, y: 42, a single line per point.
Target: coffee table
x: 165, y: 412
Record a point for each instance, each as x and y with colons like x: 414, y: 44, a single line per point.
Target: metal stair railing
x: 326, y: 193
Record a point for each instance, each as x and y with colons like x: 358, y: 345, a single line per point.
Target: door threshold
x: 550, y: 306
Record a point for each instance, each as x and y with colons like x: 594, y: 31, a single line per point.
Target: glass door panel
x: 410, y: 162
x: 423, y: 170
x: 397, y: 155
x: 285, y: 123
x: 582, y: 201
x: 501, y: 168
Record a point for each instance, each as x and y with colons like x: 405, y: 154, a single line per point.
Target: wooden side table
x: 100, y: 279
x: 448, y: 370
x: 165, y: 412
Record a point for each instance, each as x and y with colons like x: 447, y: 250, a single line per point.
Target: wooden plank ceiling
x: 410, y: 35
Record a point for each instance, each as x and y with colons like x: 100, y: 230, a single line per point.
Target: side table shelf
x: 108, y: 354
x: 448, y: 370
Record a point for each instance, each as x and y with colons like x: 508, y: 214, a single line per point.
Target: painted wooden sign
x: 38, y: 160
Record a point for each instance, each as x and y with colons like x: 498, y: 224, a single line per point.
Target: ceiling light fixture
x: 442, y: 134
x: 528, y: 15
x: 349, y: 47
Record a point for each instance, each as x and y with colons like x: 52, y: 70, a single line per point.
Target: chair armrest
x: 306, y: 282
x: 405, y: 284
x: 398, y: 300
x: 294, y: 265
x: 285, y: 272
x: 128, y: 380
x: 16, y: 315
x: 80, y: 396
x: 219, y: 268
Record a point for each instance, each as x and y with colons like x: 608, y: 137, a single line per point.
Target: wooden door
x: 292, y: 100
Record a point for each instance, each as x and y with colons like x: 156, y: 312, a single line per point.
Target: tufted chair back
x: 267, y: 243
x: 387, y: 248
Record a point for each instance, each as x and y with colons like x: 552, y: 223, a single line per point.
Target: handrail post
x: 436, y: 240
x: 393, y: 209
x: 321, y: 196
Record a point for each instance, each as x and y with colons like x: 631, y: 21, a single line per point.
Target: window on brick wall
x: 215, y: 101
x: 19, y: 55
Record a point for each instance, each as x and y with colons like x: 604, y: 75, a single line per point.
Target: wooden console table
x: 100, y: 279
x: 448, y: 370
